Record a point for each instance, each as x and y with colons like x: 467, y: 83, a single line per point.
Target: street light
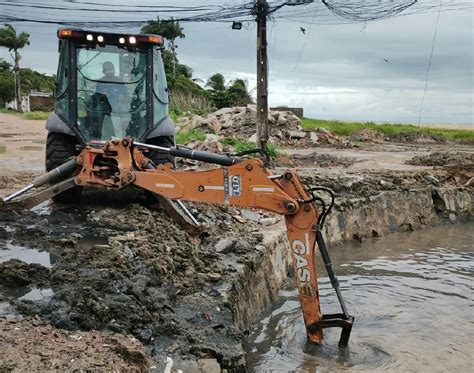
x: 236, y: 25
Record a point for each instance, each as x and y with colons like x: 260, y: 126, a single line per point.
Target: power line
x: 334, y: 12
x: 305, y: 41
x: 429, y: 63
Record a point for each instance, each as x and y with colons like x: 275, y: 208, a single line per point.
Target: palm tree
x: 13, y: 41
x: 216, y: 83
x: 170, y: 30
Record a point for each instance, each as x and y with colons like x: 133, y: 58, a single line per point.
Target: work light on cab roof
x: 109, y: 38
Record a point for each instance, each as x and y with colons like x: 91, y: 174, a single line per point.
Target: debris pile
x: 34, y: 345
x: 416, y: 137
x: 443, y: 159
x: 239, y: 123
x: 367, y: 134
x: 315, y: 159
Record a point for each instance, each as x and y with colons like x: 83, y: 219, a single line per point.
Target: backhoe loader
x: 114, y: 154
x: 107, y: 86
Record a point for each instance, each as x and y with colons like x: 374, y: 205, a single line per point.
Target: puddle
x: 25, y: 254
x: 9, y: 134
x: 36, y: 295
x: 6, y: 310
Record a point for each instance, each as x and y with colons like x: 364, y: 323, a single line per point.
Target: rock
x: 215, y: 126
x: 189, y: 122
x: 278, y: 134
x: 250, y: 215
x: 385, y: 183
x: 432, y: 180
x: 268, y: 221
x: 239, y: 218
x: 225, y: 110
x: 258, y: 236
x: 253, y: 138
x: 296, y: 134
x: 225, y: 245
x: 211, y: 137
x: 214, y: 276
x: 209, y: 366
x: 324, y: 131
x: 313, y: 138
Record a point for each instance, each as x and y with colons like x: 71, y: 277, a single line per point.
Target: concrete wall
x: 298, y: 111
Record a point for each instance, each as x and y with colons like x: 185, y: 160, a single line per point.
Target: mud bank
x: 131, y: 270
x: 113, y: 266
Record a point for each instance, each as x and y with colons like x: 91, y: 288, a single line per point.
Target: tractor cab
x: 110, y: 86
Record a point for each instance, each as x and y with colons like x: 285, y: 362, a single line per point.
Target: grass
x: 2, y: 149
x: 184, y: 137
x: 348, y: 128
x: 241, y: 146
x: 34, y: 115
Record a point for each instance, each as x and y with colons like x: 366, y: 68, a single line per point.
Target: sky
x: 372, y: 71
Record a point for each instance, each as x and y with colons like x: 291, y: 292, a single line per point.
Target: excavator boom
x: 238, y: 182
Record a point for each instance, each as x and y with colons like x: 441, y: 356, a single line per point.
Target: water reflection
x: 411, y: 295
x: 25, y: 254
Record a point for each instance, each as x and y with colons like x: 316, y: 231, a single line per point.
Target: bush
x: 241, y: 146
x: 185, y: 137
x: 182, y: 101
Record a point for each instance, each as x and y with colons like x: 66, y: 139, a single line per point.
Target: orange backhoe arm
x: 239, y: 182
x: 248, y: 184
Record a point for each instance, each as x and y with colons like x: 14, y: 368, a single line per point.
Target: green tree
x: 239, y: 93
x: 235, y: 93
x: 170, y: 30
x: 216, y: 83
x: 13, y: 41
x: 5, y: 66
x: 7, y: 87
x: 33, y: 80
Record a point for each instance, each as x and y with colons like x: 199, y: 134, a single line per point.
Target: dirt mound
x: 314, y: 159
x: 367, y: 134
x: 33, y: 345
x: 443, y: 159
x: 416, y: 137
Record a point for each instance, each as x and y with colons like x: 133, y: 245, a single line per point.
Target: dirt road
x: 24, y: 142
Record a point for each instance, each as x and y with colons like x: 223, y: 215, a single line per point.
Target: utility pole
x: 262, y: 74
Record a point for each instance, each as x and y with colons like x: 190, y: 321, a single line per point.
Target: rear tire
x: 155, y: 155
x: 59, y: 148
x: 159, y: 158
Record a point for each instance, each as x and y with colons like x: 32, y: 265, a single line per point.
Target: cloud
x: 375, y: 71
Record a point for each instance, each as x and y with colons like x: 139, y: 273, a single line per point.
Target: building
x: 34, y: 101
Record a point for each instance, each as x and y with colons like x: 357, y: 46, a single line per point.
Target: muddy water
x: 411, y: 295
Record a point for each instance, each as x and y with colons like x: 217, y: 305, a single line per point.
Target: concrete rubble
x: 239, y: 123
